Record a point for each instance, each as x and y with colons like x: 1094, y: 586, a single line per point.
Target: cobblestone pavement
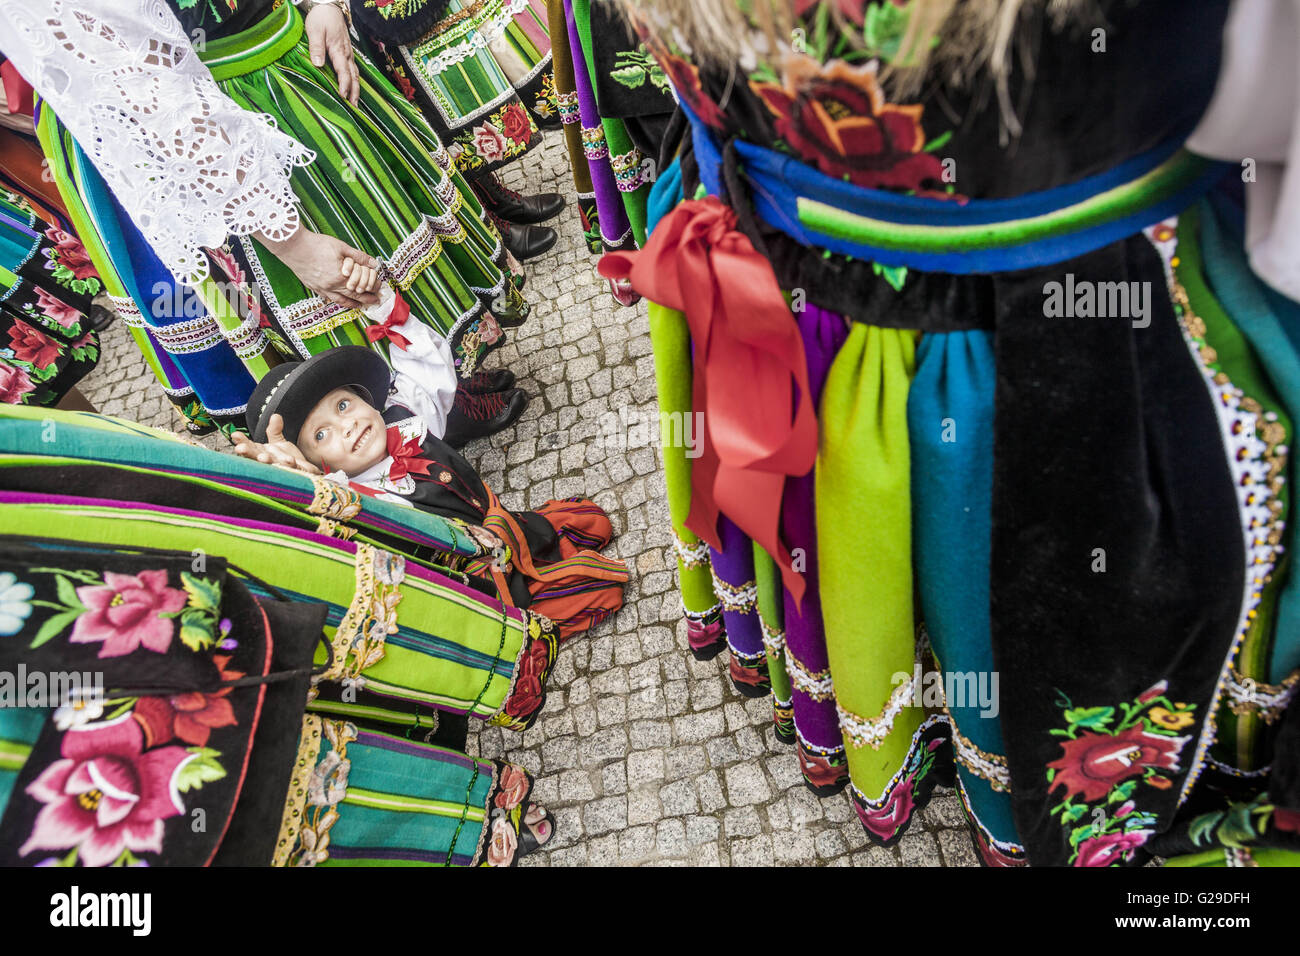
x: 644, y: 754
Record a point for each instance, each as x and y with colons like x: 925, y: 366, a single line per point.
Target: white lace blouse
x: 189, y: 165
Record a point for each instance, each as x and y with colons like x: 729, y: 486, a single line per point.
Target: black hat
x: 293, y: 389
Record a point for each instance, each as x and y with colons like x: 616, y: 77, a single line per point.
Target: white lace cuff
x: 185, y: 161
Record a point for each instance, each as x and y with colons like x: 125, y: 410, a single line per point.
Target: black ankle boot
x: 513, y: 206
x: 477, y: 416
x: 484, y: 381
x: 524, y: 242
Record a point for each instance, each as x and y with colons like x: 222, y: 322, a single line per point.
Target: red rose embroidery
x: 1110, y: 848
x: 513, y: 787
x: 71, y: 253
x: 819, y: 771
x: 32, y: 345
x: 886, y: 821
x: 1093, y: 763
x: 14, y: 384
x: 516, y: 125
x: 56, y: 309
x: 836, y: 118
x: 488, y: 142
x: 191, y: 716
x: 749, y: 676
x: 527, y: 695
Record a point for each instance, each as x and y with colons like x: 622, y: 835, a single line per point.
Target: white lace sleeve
x: 185, y: 161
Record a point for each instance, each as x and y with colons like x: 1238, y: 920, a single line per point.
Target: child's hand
x: 277, y: 450
x: 362, y: 279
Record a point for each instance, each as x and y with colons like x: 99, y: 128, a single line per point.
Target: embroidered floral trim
x: 1257, y: 459
x: 295, y: 803
x: 993, y: 851
x: 326, y: 788
x: 567, y: 104
x: 1113, y: 760
x: 815, y: 684
x: 748, y: 660
x: 593, y: 142
x: 690, y: 555
x: 335, y: 504
x: 1267, y: 701
x: 888, y: 816
x: 741, y: 599
x: 987, y: 766
x: 872, y: 731
x: 359, y: 639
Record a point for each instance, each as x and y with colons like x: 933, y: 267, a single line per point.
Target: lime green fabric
x: 864, y: 541
x: 671, y: 339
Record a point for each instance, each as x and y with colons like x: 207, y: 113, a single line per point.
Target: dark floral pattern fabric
x: 46, y: 342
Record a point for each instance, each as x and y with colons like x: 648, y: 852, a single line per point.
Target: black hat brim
x: 294, y: 394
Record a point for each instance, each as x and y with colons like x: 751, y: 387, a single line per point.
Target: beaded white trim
x: 738, y: 598
x: 690, y: 555
x: 1244, y: 450
x: 815, y: 684
x: 872, y: 731
x: 773, y: 637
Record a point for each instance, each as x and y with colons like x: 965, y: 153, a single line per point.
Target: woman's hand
x: 277, y: 450
x: 330, y: 267
x: 327, y: 33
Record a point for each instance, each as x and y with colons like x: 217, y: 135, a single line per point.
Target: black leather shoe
x: 516, y: 207
x: 525, y: 242
x: 100, y: 317
x: 477, y: 416
x: 485, y: 380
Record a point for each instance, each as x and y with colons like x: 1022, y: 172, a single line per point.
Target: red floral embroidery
x: 32, y: 345
x: 836, y: 118
x: 190, y: 717
x: 72, y: 253
x: 527, y: 694
x: 14, y: 384
x: 1092, y: 763
x: 516, y: 125
x: 56, y: 309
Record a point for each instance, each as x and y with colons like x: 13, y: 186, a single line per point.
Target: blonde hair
x: 975, y: 36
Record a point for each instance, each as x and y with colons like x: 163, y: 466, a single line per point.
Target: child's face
x: 344, y: 432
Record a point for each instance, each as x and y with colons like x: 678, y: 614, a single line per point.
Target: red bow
x: 748, y: 366
x: 388, y: 328
x: 407, y: 456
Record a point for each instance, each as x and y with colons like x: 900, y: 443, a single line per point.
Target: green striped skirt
x: 382, y: 182
x: 481, y: 76
x: 361, y: 798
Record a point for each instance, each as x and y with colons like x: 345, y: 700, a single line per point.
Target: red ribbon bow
x: 750, y: 375
x: 407, y: 456
x: 388, y: 328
